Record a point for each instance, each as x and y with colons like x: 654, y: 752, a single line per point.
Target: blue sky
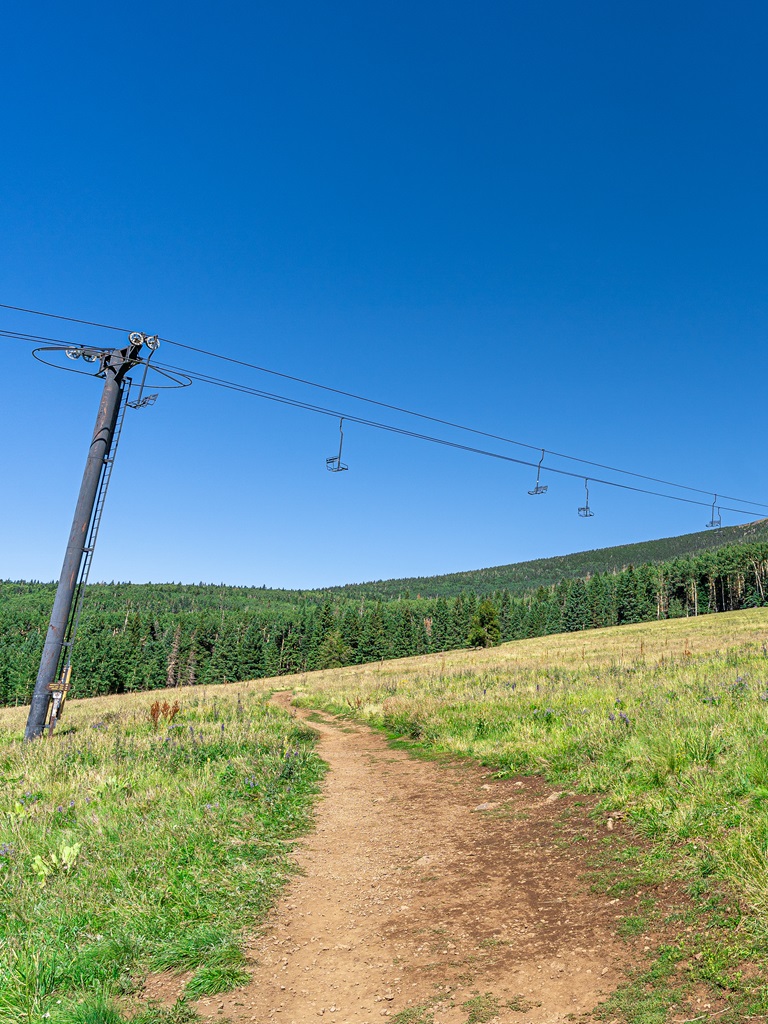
x: 545, y: 220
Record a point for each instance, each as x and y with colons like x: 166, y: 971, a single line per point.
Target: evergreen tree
x: 554, y: 621
x: 484, y: 630
x: 402, y: 633
x: 576, y: 610
x: 442, y: 626
x: 461, y: 623
x: 333, y: 652
x: 373, y: 641
x: 506, y: 624
x: 351, y: 630
x: 627, y: 605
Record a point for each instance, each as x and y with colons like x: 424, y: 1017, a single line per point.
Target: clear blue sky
x: 544, y: 219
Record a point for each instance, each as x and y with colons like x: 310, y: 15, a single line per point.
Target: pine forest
x: 146, y: 636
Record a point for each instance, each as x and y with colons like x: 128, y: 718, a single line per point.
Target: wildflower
x: 71, y: 803
x: 624, y: 718
x: 6, y: 850
x: 611, y: 716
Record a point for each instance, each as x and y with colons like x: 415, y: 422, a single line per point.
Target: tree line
x: 521, y: 578
x: 144, y: 637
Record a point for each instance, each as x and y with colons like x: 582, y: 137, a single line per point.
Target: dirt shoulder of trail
x: 432, y: 894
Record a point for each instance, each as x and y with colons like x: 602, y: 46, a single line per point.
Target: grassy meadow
x: 139, y: 841
x: 151, y: 833
x: 667, y: 723
x: 668, y: 720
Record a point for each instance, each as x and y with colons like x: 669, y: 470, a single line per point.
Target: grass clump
x: 93, y: 1010
x: 421, y: 1014
x: 210, y: 979
x: 180, y: 1013
x: 206, y: 943
x: 481, y: 1008
x: 149, y: 843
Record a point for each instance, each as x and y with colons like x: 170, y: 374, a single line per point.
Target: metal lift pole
x: 115, y: 365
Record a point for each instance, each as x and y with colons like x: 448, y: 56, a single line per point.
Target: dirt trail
x: 436, y: 887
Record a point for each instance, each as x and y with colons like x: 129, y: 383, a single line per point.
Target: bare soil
x: 431, y: 889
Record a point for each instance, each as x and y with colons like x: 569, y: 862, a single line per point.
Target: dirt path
x: 431, y: 889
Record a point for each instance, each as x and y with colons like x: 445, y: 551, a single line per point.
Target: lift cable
x: 401, y: 409
x: 457, y: 426
x: 34, y: 338
x: 69, y: 319
x: 378, y: 425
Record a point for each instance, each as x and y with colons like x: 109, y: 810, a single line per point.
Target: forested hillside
x: 521, y: 577
x: 137, y: 637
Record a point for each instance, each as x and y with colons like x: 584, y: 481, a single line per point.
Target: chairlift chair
x: 585, y: 511
x: 539, y: 488
x: 715, y: 521
x: 334, y: 464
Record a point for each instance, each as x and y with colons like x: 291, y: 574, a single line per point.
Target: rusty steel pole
x: 114, y: 367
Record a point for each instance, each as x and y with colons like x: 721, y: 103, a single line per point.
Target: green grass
x: 126, y: 848
x: 93, y: 1010
x: 481, y: 1008
x: 421, y: 1014
x: 180, y: 1013
x: 206, y: 944
x: 210, y: 979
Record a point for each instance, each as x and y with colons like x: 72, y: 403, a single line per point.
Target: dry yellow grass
x: 673, y: 640
x: 80, y: 713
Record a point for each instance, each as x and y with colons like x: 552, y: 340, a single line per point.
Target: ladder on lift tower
x: 60, y: 689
